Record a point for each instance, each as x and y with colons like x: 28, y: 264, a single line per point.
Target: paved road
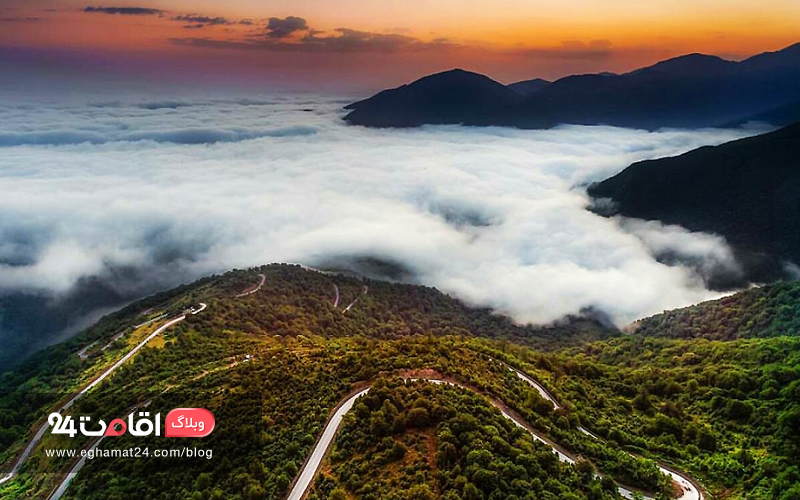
x: 312, y: 465
x: 301, y: 487
x: 364, y: 292
x: 690, y: 491
x: 257, y: 288
x: 540, y: 388
x: 62, y: 488
x: 43, y: 428
x: 310, y: 468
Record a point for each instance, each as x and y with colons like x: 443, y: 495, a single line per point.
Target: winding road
x: 364, y: 292
x: 254, y: 290
x: 304, y: 480
x: 302, y: 484
x: 689, y: 490
x: 43, y: 428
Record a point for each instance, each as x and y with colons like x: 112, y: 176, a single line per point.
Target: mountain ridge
x: 689, y: 91
x: 747, y: 191
x: 526, y: 87
x: 455, y: 96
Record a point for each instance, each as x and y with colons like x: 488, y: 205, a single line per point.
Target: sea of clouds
x: 149, y: 193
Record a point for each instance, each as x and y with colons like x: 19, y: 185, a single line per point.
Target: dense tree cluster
x: 416, y: 440
x: 770, y: 311
x: 725, y: 410
x: 295, y: 301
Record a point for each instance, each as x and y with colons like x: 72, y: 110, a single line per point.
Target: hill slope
x: 770, y: 311
x: 747, y: 191
x: 271, y: 357
x: 527, y: 87
x: 452, y: 97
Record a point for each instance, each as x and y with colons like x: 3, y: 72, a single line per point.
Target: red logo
x: 189, y: 422
x: 112, y: 432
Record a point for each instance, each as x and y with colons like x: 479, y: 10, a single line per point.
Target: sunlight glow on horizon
x: 509, y: 39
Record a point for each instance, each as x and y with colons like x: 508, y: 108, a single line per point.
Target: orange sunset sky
x: 374, y: 43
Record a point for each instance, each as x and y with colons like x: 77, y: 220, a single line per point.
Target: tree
x: 418, y: 418
x: 471, y: 492
x: 338, y: 494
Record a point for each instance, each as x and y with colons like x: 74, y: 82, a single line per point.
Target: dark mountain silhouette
x: 452, y: 97
x: 780, y: 116
x: 689, y: 65
x: 747, y: 191
x: 690, y: 91
x: 527, y: 87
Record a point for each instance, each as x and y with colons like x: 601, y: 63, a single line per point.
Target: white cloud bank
x: 493, y: 216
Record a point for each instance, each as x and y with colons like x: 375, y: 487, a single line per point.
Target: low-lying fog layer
x: 155, y: 193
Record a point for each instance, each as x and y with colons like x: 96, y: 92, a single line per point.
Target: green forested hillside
x: 728, y: 412
x: 770, y: 311
x: 273, y: 364
x: 416, y: 440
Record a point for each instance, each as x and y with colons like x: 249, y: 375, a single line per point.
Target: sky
x: 368, y: 44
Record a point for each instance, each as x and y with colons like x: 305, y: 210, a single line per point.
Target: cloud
x: 573, y: 50
x: 125, y: 11
x: 165, y: 191
x: 20, y: 19
x: 708, y: 255
x: 350, y: 40
x: 282, y: 28
x: 201, y: 21
x: 176, y: 136
x: 343, y: 40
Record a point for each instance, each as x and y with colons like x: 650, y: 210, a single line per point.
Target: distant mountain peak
x: 456, y: 96
x: 689, y: 91
x: 527, y: 87
x: 454, y: 75
x: 694, y: 64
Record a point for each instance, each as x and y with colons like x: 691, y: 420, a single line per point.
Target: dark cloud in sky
x: 201, y: 21
x: 574, y: 50
x: 280, y: 35
x: 19, y: 19
x: 125, y: 11
x: 343, y: 40
x: 282, y: 28
x: 350, y: 40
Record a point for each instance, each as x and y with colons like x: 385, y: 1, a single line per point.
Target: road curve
x: 539, y: 388
x: 690, y: 491
x: 303, y: 482
x: 363, y: 292
x: 301, y: 486
x: 43, y: 428
x: 254, y: 290
x: 62, y: 488
x: 312, y: 464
